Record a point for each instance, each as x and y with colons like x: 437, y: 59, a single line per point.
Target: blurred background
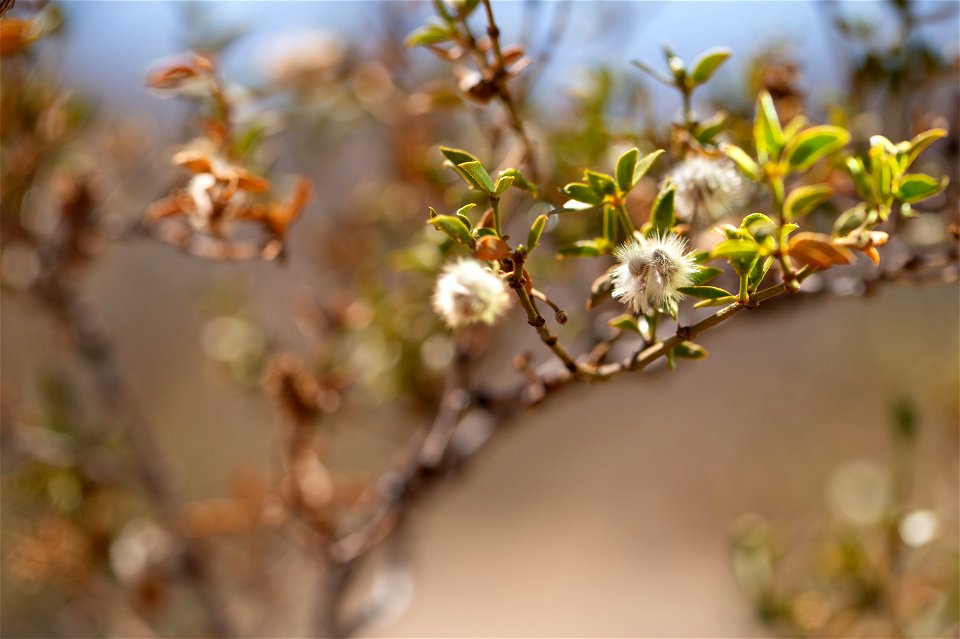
x: 653, y: 505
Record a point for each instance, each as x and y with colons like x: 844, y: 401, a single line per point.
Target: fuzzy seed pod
x: 468, y: 292
x: 651, y: 270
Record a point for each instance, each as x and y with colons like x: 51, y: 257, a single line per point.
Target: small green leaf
x: 814, y: 143
x: 466, y: 208
x: 704, y: 292
x: 453, y: 227
x: 860, y: 177
x: 462, y: 214
x: 735, y: 249
x: 761, y: 228
x: 849, y: 220
x: 676, y: 66
x: 701, y: 257
x: 705, y: 274
x: 767, y: 134
x: 805, y: 199
x: 584, y: 248
x: 670, y: 307
x: 742, y: 160
x: 457, y: 156
x: 661, y: 213
x: 785, y: 232
x: 689, y: 350
x: 922, y: 141
x: 428, y: 34
x: 752, y: 221
x: 917, y: 186
x: 625, y: 166
x: 625, y: 322
x: 479, y: 174
x: 503, y: 183
x: 758, y: 272
x: 519, y: 181
x: 641, y: 168
x: 793, y: 126
x: 706, y: 65
x: 583, y: 193
x: 720, y: 301
x: 601, y: 182
x: 710, y: 128
x: 536, y: 230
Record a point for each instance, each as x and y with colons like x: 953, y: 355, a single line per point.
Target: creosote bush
x: 619, y: 244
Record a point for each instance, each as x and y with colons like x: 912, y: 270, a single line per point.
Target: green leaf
x: 922, y: 141
x: 704, y: 292
x: 453, y: 227
x: 466, y: 208
x: 457, y: 156
x: 625, y: 322
x: 536, y: 230
x: 849, y: 220
x: 785, y: 232
x: 735, y: 249
x: 917, y: 186
x: 583, y: 193
x: 767, y: 134
x: 751, y: 222
x: 758, y: 272
x: 584, y: 248
x: 708, y: 62
x: 676, y: 66
x: 793, y: 126
x: 601, y: 182
x: 462, y: 214
x: 475, y: 170
x: 721, y: 301
x: 661, y: 213
x: 503, y: 183
x: 689, y: 350
x: 625, y: 166
x: 742, y: 160
x: 814, y: 143
x: 805, y: 199
x: 710, y: 128
x: 428, y: 34
x: 670, y: 307
x: 860, y: 177
x: 519, y: 181
x: 643, y: 166
x: 705, y: 274
x: 701, y: 257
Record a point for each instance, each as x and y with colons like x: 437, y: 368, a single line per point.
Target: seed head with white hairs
x: 467, y: 292
x: 651, y: 271
x: 708, y: 189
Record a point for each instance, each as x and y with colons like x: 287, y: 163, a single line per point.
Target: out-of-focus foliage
x: 454, y: 187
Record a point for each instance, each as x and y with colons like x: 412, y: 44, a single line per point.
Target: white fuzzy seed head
x: 468, y: 292
x: 651, y: 270
x: 708, y: 189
